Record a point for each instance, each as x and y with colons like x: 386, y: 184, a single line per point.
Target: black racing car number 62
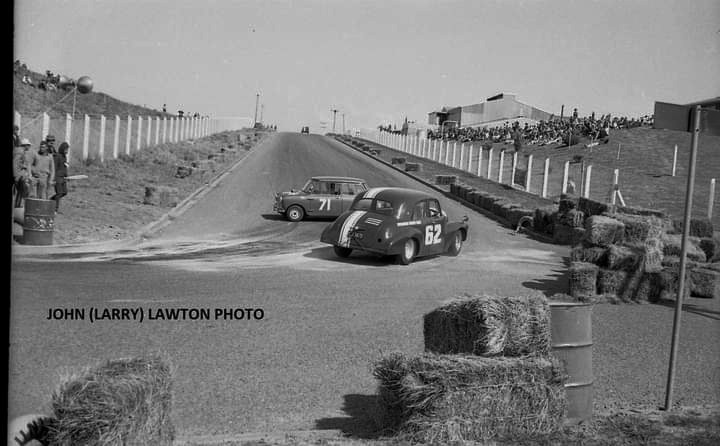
x: 432, y: 234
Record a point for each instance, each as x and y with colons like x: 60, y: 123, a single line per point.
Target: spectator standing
x: 50, y: 141
x: 61, y: 166
x: 164, y: 108
x: 43, y: 171
x: 21, y: 173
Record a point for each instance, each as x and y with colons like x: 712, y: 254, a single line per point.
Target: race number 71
x: 432, y: 234
x: 324, y: 204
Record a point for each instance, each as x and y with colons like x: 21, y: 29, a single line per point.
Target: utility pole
x: 334, y: 113
x: 257, y: 101
x: 262, y: 109
x: 343, y: 127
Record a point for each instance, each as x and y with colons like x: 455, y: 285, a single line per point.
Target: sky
x: 377, y: 61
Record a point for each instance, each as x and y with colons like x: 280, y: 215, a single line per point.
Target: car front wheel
x: 455, y: 244
x: 295, y: 213
x: 341, y: 251
x: 407, y: 254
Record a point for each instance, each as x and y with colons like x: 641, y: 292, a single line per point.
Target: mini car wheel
x: 342, y: 252
x: 408, y: 252
x: 455, y: 244
x: 295, y: 213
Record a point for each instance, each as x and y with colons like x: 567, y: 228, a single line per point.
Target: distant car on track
x: 305, y: 130
x: 321, y: 196
x: 394, y: 221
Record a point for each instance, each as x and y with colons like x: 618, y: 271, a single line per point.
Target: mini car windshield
x: 309, y: 186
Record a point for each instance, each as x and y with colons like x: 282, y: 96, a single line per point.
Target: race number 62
x: 432, y: 234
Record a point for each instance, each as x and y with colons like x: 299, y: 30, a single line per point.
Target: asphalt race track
x: 307, y: 363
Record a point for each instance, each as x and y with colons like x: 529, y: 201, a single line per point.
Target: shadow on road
x: 360, y: 422
x: 274, y: 217
x: 693, y: 309
x: 326, y: 253
x: 556, y: 283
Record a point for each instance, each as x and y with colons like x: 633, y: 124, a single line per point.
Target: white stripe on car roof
x: 372, y: 193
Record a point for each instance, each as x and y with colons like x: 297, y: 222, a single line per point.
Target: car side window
x: 348, y: 189
x: 320, y: 188
x: 434, y: 208
x: 419, y: 211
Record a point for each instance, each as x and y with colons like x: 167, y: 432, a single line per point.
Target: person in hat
x: 50, y: 141
x: 61, y: 165
x: 43, y: 171
x: 21, y: 173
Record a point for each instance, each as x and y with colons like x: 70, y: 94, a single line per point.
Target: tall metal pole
x: 257, y: 101
x: 683, y: 255
x: 334, y: 113
x: 343, y: 127
x: 262, y: 109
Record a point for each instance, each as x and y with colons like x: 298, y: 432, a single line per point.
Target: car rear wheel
x: 407, y: 254
x: 295, y: 213
x: 341, y: 251
x: 455, y: 244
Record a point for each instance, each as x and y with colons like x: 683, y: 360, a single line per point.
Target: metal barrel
x: 39, y: 221
x: 571, y: 337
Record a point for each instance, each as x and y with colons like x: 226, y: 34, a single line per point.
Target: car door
x: 348, y: 191
x: 433, y: 227
x: 324, y: 200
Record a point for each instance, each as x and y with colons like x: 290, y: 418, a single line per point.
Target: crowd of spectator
x: 50, y: 81
x: 553, y: 131
x: 38, y: 172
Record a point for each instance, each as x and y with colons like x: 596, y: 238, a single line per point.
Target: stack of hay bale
x: 635, y: 258
x: 487, y: 374
x: 117, y: 403
x: 567, y: 228
x: 413, y: 167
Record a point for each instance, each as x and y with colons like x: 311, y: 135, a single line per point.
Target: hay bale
x: 183, y: 171
x: 397, y: 160
x: 603, y: 231
x: 650, y: 287
x: 445, y: 179
x: 489, y: 326
x: 674, y: 262
x: 672, y: 246
x: 567, y: 235
x: 456, y: 399
x: 634, y: 210
x: 639, y: 228
x: 611, y: 281
x: 711, y: 247
x: 573, y: 217
x: 670, y: 278
x: 163, y: 196
x: 121, y: 402
x: 590, y: 254
x: 592, y: 207
x: 625, y: 258
x: 583, y: 280
x: 566, y: 204
x: 704, y: 282
x: 413, y: 167
x: 699, y: 227
x: 543, y: 220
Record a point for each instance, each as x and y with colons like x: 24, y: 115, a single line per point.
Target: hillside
x: 31, y: 101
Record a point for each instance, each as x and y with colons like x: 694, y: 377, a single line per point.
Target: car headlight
x: 388, y: 232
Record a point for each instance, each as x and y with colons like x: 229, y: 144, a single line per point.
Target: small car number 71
x: 432, y: 234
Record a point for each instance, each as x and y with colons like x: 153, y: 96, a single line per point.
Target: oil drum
x: 571, y: 338
x: 39, y: 221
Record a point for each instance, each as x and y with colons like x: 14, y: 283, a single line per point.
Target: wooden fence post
x: 514, y: 168
x: 674, y: 161
x: 139, y: 132
x: 149, y: 131
x: 586, y: 189
x: 101, y: 146
x: 546, y: 172
x: 529, y: 173
x: 157, y: 130
x: 462, y: 155
x: 614, y: 191
x: 711, y: 199
x: 68, y: 131
x: 500, y: 169
x: 86, y: 137
x: 164, y: 125
x: 454, y: 152
x: 45, y: 125
x: 566, y: 172
x: 116, y: 137
x: 128, y: 133
x: 489, y: 169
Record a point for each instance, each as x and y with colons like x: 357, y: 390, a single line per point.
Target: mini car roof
x: 395, y: 194
x: 339, y: 179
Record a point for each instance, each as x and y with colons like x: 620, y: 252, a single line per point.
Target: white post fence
x: 128, y: 133
x: 586, y: 189
x: 546, y: 172
x: 149, y: 132
x: 711, y: 199
x: 566, y: 172
x: 462, y: 156
x: 45, y: 125
x: 157, y: 130
x: 529, y: 173
x: 674, y: 161
x: 500, y: 169
x: 101, y: 145
x: 68, y: 130
x: 489, y: 169
x: 86, y: 138
x: 116, y: 136
x: 139, y: 133
x: 514, y: 168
